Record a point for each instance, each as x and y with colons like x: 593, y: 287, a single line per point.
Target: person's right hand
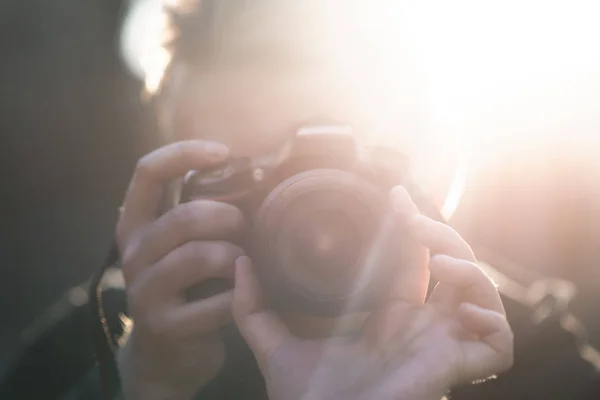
x: 174, y: 349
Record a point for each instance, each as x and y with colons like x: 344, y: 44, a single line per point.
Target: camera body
x: 320, y: 231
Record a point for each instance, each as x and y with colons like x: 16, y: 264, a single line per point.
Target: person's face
x: 280, y: 66
x: 252, y: 112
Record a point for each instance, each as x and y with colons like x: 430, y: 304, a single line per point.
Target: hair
x: 186, y: 26
x: 283, y: 35
x: 209, y: 33
x: 275, y: 34
x: 192, y: 24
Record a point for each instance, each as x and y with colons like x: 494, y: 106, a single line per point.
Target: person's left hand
x: 409, y: 348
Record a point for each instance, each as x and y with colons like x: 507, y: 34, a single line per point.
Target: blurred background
x: 513, y: 94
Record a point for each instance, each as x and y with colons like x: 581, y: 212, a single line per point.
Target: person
x: 240, y: 76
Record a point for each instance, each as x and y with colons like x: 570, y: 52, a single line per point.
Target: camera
x: 320, y: 231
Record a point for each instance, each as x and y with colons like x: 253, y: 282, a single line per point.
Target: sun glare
x: 141, y: 42
x: 503, y: 75
x: 493, y: 73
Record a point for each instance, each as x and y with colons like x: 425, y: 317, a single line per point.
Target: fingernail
x: 217, y: 150
x: 241, y: 264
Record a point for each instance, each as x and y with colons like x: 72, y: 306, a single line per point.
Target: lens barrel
x: 319, y: 244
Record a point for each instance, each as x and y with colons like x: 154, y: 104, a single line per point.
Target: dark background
x: 72, y: 126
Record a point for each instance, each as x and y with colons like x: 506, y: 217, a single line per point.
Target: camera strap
x: 105, y: 343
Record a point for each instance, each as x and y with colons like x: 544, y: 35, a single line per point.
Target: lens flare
x: 450, y: 80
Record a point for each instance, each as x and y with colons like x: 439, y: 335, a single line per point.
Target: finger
x: 493, y: 353
x: 202, y: 316
x: 153, y: 172
x: 193, y: 221
x: 262, y: 329
x: 445, y: 296
x: 481, y: 321
x: 185, y: 267
x: 471, y: 282
x: 412, y: 278
x: 483, y: 362
x: 439, y: 237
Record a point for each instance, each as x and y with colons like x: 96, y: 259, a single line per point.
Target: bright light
x: 506, y: 74
x: 496, y: 73
x: 141, y: 40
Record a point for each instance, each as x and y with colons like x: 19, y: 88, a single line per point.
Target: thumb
x: 262, y: 329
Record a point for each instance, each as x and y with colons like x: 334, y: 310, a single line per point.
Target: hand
x: 173, y: 349
x: 409, y: 348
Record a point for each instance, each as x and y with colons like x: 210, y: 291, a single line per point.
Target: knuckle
x: 226, y: 215
x: 187, y: 151
x: 158, y: 326
x: 203, y: 214
x: 190, y: 215
x: 222, y: 253
x: 208, y: 259
x: 144, y: 166
x: 176, y: 266
x: 182, y: 150
x: 169, y: 271
x: 195, y: 252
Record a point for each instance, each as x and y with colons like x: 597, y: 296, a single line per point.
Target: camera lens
x: 326, y: 244
x: 313, y: 241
